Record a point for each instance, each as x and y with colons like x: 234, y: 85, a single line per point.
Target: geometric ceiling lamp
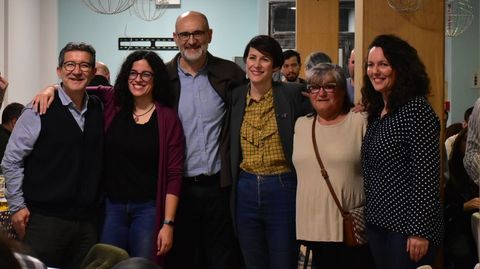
x: 150, y: 10
x: 108, y: 7
x: 458, y: 17
x: 406, y: 6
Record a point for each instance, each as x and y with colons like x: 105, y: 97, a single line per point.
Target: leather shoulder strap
x: 322, y: 167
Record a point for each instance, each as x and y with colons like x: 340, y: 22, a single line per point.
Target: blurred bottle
x: 3, y: 201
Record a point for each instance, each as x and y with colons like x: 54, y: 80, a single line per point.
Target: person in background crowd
x: 13, y: 255
x: 400, y: 157
x: 452, y: 137
x: 291, y: 67
x: 351, y: 78
x: 472, y: 152
x: 204, y: 236
x: 102, y: 70
x: 53, y: 166
x: 339, y: 133
x: 10, y: 115
x: 261, y: 137
x: 315, y: 58
x: 461, y: 200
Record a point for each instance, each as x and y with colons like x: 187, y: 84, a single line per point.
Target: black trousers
x: 338, y: 255
x: 203, y: 234
x: 60, y: 243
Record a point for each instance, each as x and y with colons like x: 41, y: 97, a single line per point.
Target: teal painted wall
x: 462, y: 62
x: 234, y: 23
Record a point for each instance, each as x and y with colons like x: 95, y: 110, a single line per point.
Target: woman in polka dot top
x: 400, y: 157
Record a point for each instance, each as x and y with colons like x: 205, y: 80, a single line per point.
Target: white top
x: 318, y: 217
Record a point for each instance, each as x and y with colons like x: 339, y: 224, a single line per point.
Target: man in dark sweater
x: 52, y: 166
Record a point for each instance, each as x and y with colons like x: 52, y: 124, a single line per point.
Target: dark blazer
x: 289, y: 104
x: 223, y: 75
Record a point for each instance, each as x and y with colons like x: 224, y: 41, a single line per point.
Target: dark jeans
x: 266, y: 220
x: 130, y: 225
x: 389, y: 249
x: 60, y: 243
x: 337, y: 255
x: 203, y: 236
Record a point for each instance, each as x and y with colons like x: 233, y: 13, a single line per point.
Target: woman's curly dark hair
x: 411, y: 77
x: 162, y: 86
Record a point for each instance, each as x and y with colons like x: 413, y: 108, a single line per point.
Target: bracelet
x: 169, y: 222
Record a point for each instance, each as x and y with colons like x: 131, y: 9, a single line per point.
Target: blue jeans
x: 265, y: 220
x: 130, y: 225
x: 388, y: 249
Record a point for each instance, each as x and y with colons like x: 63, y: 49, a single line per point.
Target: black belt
x: 203, y: 179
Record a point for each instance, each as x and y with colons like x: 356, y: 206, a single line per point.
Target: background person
x: 315, y: 58
x: 400, y: 157
x: 291, y: 67
x: 451, y: 137
x: 10, y: 115
x: 102, y: 70
x: 472, y: 151
x: 351, y: 78
x: 262, y: 121
x: 339, y: 133
x: 461, y: 201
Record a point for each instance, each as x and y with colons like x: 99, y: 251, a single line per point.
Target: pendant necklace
x: 137, y: 117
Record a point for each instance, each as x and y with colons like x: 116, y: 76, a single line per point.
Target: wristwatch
x: 169, y: 222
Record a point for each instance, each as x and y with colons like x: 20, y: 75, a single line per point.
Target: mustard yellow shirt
x: 259, y: 138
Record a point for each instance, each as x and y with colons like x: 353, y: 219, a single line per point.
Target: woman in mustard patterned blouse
x: 262, y: 123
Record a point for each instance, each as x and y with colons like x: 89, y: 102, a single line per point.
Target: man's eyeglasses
x: 184, y: 36
x: 329, y: 87
x: 70, y: 66
x: 145, y: 75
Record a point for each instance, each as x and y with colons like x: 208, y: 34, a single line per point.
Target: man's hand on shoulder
x: 20, y: 221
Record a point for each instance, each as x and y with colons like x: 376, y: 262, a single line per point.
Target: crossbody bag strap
x: 323, y: 170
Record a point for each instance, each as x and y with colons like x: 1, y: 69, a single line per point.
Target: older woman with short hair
x: 338, y: 134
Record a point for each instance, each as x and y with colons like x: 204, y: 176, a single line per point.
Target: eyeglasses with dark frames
x: 184, y: 36
x: 145, y: 75
x: 70, y: 66
x: 329, y: 88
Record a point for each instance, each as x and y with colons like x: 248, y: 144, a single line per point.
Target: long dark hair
x: 162, y: 86
x: 411, y: 77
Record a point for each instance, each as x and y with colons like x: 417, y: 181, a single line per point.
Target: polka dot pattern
x: 401, y: 166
